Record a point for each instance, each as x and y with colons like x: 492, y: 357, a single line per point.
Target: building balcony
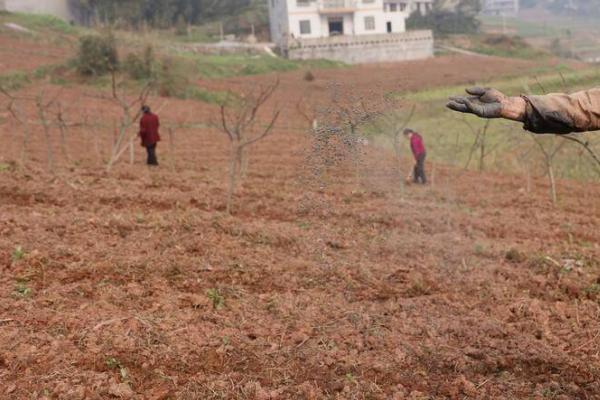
x: 336, y: 6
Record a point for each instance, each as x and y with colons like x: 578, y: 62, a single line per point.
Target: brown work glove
x: 489, y: 103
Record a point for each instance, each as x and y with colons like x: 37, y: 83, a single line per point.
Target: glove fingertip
x: 460, y: 107
x: 475, y: 91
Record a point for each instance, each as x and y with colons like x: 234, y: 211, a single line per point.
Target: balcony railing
x: 333, y: 6
x: 424, y: 36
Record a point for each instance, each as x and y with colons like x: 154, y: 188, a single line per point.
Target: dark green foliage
x: 97, y: 55
x: 443, y: 21
x: 161, y: 13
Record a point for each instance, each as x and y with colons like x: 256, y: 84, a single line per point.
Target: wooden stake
x: 131, y: 151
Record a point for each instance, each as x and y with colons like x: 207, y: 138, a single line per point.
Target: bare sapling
x: 346, y: 117
x: 309, y: 113
x: 42, y: 107
x: 16, y: 111
x: 480, y: 144
x: 131, y: 110
x: 549, y: 153
x: 42, y: 110
x: 524, y: 159
x: 63, y: 127
x: 60, y: 115
x: 587, y: 146
x: 239, y: 121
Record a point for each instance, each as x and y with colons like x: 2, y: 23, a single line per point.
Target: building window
x: 369, y: 23
x: 393, y: 7
x: 305, y: 27
x: 368, y: 1
x: 402, y: 6
x: 302, y: 3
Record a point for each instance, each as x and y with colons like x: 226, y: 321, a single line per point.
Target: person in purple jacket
x: 418, y: 149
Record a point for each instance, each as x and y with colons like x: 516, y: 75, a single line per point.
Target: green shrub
x: 140, y: 66
x: 181, y: 26
x: 14, y: 80
x: 97, y: 55
x: 196, y: 93
x: 171, y: 82
x: 444, y: 22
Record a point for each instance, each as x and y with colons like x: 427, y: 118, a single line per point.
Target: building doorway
x: 389, y: 27
x: 336, y: 26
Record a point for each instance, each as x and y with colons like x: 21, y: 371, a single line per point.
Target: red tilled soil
x: 22, y: 53
x: 327, y: 282
x: 389, y: 78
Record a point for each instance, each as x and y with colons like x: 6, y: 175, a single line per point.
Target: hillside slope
x: 329, y: 281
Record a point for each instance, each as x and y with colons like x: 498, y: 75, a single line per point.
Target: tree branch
x: 265, y: 132
x: 586, y: 146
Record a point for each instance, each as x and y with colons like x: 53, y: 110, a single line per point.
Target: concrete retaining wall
x: 363, y: 49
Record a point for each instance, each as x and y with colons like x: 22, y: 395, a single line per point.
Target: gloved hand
x: 489, y: 103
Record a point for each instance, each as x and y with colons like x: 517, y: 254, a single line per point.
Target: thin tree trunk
x: 482, y: 154
x: 552, y: 182
x: 63, y: 141
x: 528, y: 172
x: 234, y: 170
x: 49, y: 152
x: 243, y: 159
x: 131, y: 151
x: 456, y: 150
x: 25, y: 148
x: 62, y: 125
x: 172, y: 147
x: 118, y: 149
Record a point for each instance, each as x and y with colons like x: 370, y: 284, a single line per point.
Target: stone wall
x: 412, y: 45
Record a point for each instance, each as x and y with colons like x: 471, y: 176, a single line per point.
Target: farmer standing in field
x: 553, y: 113
x: 418, y: 149
x: 149, y: 125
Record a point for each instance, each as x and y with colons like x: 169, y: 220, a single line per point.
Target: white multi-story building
x: 422, y: 6
x: 353, y: 31
x: 304, y: 19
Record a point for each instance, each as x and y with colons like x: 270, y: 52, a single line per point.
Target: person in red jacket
x: 418, y: 149
x: 149, y: 124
